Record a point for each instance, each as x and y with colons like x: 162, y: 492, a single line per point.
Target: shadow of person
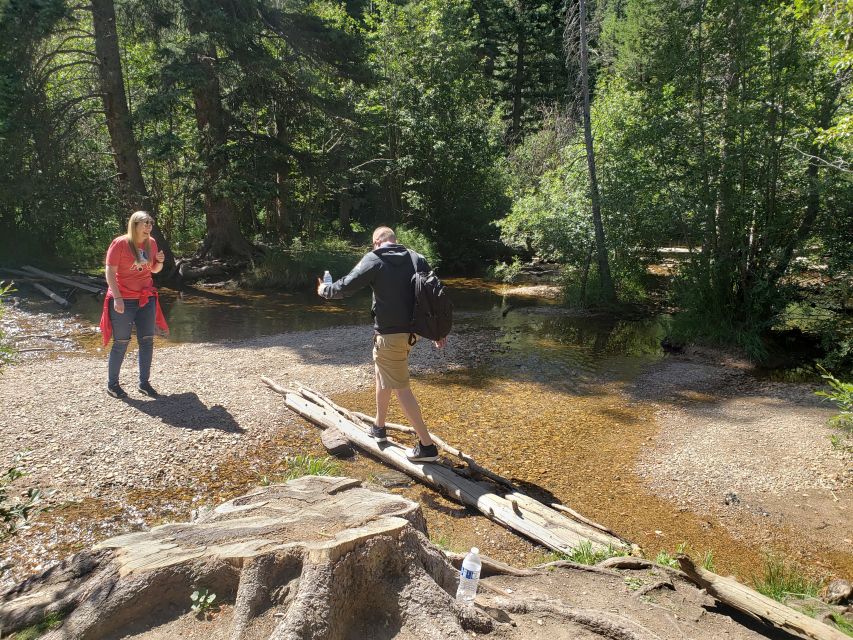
x: 187, y: 411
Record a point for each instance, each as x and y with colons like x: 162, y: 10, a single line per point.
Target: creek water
x: 549, y: 409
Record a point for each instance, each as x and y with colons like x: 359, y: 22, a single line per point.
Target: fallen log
x: 61, y: 279
x: 513, y: 510
x: 50, y: 294
x: 742, y: 598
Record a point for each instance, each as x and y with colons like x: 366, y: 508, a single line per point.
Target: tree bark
x: 518, y: 78
x: 122, y: 138
x: 223, y: 238
x: 608, y: 293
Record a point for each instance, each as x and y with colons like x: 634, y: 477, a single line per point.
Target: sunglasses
x: 147, y: 223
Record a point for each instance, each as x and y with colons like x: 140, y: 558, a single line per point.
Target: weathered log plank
x: 61, y: 279
x: 742, y: 598
x: 541, y: 523
x: 50, y: 294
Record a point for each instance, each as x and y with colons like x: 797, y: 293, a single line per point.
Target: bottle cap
x: 475, y: 550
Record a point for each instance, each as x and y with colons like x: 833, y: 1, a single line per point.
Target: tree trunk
x: 223, y: 237
x: 313, y: 559
x: 608, y: 293
x: 518, y: 78
x: 122, y: 139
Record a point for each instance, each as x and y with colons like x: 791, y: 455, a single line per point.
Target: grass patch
x: 584, y: 553
x: 843, y: 624
x: 298, y: 466
x: 51, y: 622
x: 781, y: 579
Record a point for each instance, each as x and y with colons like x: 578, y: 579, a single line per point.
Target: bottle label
x: 467, y: 574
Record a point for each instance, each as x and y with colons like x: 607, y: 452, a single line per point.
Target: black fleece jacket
x: 388, y: 270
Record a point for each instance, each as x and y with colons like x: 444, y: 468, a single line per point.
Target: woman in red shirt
x: 132, y: 299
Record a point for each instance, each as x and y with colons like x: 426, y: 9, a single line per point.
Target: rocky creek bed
x: 708, y: 430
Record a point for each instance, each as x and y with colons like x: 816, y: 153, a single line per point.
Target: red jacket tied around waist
x: 144, y: 296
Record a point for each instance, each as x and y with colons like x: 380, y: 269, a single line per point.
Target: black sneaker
x: 380, y: 434
x: 116, y: 391
x: 146, y: 389
x: 422, y: 453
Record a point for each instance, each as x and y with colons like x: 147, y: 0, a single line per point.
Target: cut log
x: 742, y: 598
x: 314, y: 559
x: 50, y: 294
x: 61, y: 279
x: 518, y: 512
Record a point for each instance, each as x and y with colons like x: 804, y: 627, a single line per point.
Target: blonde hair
x: 137, y: 218
x: 384, y: 234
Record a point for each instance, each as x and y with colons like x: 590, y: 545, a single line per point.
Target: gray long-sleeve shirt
x: 388, y: 271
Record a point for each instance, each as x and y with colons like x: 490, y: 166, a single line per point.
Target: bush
x: 841, y: 393
x: 414, y: 239
x: 299, y: 266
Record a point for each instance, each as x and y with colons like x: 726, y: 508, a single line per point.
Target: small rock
x: 336, y: 444
x: 731, y: 498
x: 838, y: 592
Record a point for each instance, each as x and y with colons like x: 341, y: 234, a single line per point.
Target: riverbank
x: 689, y: 435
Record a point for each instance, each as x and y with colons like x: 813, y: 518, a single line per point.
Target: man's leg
x: 383, y: 399
x: 413, y: 412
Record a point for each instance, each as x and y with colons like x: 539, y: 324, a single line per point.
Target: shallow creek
x: 551, y: 410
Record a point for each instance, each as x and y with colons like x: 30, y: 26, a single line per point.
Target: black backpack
x: 432, y: 316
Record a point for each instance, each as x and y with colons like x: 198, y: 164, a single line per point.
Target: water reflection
x: 539, y: 338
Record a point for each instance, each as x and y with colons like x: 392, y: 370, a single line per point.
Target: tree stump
x: 316, y: 558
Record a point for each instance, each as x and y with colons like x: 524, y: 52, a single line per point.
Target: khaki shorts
x: 391, y: 358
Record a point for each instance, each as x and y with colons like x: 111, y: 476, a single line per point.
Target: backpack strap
x: 414, y: 256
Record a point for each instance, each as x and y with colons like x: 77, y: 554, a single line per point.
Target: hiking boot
x: 146, y: 389
x: 379, y: 434
x: 422, y: 453
x: 116, y: 391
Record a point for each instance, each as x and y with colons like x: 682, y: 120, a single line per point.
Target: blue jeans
x: 122, y: 323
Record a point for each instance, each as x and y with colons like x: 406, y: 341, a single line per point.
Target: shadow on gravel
x: 187, y: 411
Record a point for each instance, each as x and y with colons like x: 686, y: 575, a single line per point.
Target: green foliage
x: 584, y: 553
x: 668, y: 559
x: 414, y: 239
x: 303, y: 465
x: 52, y: 621
x: 203, y: 601
x: 781, y: 579
x: 507, y: 271
x: 424, y: 116
x: 843, y: 624
x: 7, y: 353
x: 841, y: 394
x: 708, y: 561
x: 16, y: 512
x: 299, y: 266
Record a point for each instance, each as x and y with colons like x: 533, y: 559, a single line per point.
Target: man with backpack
x: 407, y: 298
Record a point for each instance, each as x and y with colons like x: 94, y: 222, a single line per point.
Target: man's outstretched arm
x: 362, y: 275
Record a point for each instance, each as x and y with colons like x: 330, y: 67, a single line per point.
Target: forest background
x: 490, y: 132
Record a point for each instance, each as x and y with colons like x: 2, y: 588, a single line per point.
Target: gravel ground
x: 747, y: 450
x: 93, y: 449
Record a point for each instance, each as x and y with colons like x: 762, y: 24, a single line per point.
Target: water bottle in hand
x: 469, y: 576
x: 327, y: 277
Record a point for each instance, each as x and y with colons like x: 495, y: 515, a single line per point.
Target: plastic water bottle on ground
x: 327, y: 278
x: 469, y: 576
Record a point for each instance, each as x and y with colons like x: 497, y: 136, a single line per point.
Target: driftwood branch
x: 742, y: 598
